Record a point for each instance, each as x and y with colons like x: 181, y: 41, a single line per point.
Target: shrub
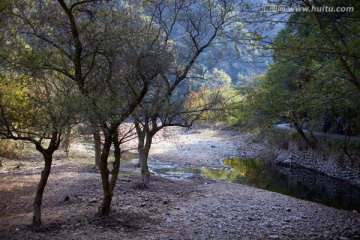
x: 10, y: 149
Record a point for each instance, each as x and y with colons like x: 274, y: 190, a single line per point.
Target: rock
x: 274, y: 237
x: 266, y: 224
x: 67, y: 198
x: 285, y: 227
x: 286, y: 221
x: 93, y: 200
x: 143, y: 204
x: 78, y: 233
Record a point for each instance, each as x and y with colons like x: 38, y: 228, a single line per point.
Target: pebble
x: 224, y: 211
x: 274, y: 237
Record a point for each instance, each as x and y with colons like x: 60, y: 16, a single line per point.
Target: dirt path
x: 286, y: 126
x: 168, y: 209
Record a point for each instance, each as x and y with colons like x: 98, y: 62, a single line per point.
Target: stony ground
x: 169, y: 209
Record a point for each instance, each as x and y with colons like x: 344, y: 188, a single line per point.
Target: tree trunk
x: 116, y: 164
x: 294, y: 120
x: 144, y: 155
x: 105, y: 207
x: 145, y: 174
x: 40, y: 190
x: 141, y: 139
x: 67, y: 141
x: 97, y: 146
x: 313, y: 138
x: 145, y: 136
x: 308, y: 141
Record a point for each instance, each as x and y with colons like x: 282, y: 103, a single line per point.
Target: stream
x: 292, y: 181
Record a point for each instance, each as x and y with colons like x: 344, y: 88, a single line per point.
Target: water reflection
x: 129, y: 158
x: 297, y: 182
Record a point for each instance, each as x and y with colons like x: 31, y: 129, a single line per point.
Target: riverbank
x: 206, y: 147
x: 195, y: 208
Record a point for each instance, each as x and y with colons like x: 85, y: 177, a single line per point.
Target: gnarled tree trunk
x: 116, y: 164
x: 40, y: 190
x: 107, y: 183
x: 144, y: 144
x: 105, y: 206
x: 97, y: 148
x: 143, y: 158
x: 47, y: 154
x: 294, y: 120
x: 309, y: 141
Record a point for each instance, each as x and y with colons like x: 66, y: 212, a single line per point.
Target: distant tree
x: 218, y: 79
x: 308, y: 79
x: 158, y: 111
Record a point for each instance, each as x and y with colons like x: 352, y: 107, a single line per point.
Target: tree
x: 308, y: 80
x: 37, y: 110
x: 35, y: 106
x: 339, y: 31
x: 191, y: 29
x: 108, y: 52
x: 158, y: 111
x: 113, y: 54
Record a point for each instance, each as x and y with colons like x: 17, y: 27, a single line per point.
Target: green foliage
x: 15, y: 101
x: 222, y: 105
x: 34, y: 108
x: 218, y: 79
x: 307, y: 81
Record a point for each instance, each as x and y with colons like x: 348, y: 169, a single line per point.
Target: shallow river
x: 293, y: 181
